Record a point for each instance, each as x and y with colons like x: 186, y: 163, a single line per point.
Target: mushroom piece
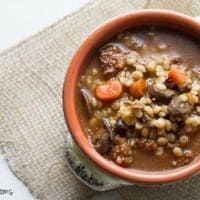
x: 116, y: 46
x: 101, y: 141
x: 132, y: 41
x: 146, y: 118
x: 170, y: 84
x: 108, y: 127
x: 88, y: 98
x: 161, y: 95
x: 135, y: 43
x: 177, y: 107
x: 121, y: 128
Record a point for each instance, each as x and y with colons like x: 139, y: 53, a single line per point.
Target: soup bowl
x: 96, y: 39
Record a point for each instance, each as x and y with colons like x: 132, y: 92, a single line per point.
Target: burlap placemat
x: 32, y: 127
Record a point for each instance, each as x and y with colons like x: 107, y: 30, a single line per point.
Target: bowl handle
x: 88, y: 172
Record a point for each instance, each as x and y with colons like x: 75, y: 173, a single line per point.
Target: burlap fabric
x: 32, y: 127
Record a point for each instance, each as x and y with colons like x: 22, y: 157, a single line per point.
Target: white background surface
x: 18, y: 20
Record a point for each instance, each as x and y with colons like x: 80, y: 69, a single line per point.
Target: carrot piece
x: 110, y: 90
x: 138, y: 88
x: 177, y: 76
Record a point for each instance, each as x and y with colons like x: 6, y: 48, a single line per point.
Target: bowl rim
x: 69, y: 107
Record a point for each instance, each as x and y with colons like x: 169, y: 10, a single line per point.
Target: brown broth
x: 178, y: 44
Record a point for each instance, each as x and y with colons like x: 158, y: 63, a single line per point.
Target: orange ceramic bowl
x: 82, y: 57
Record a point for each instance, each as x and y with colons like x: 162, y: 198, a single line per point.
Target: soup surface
x: 138, y: 99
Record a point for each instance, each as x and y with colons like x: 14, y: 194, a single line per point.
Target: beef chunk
x: 146, y: 144
x: 113, y: 56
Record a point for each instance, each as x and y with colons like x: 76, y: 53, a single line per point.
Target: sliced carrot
x: 110, y: 90
x: 138, y: 88
x: 177, y: 76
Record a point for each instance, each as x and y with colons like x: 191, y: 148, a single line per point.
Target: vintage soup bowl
x: 84, y: 161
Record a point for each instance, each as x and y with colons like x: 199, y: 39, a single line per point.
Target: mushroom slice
x: 88, y: 99
x: 177, y: 107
